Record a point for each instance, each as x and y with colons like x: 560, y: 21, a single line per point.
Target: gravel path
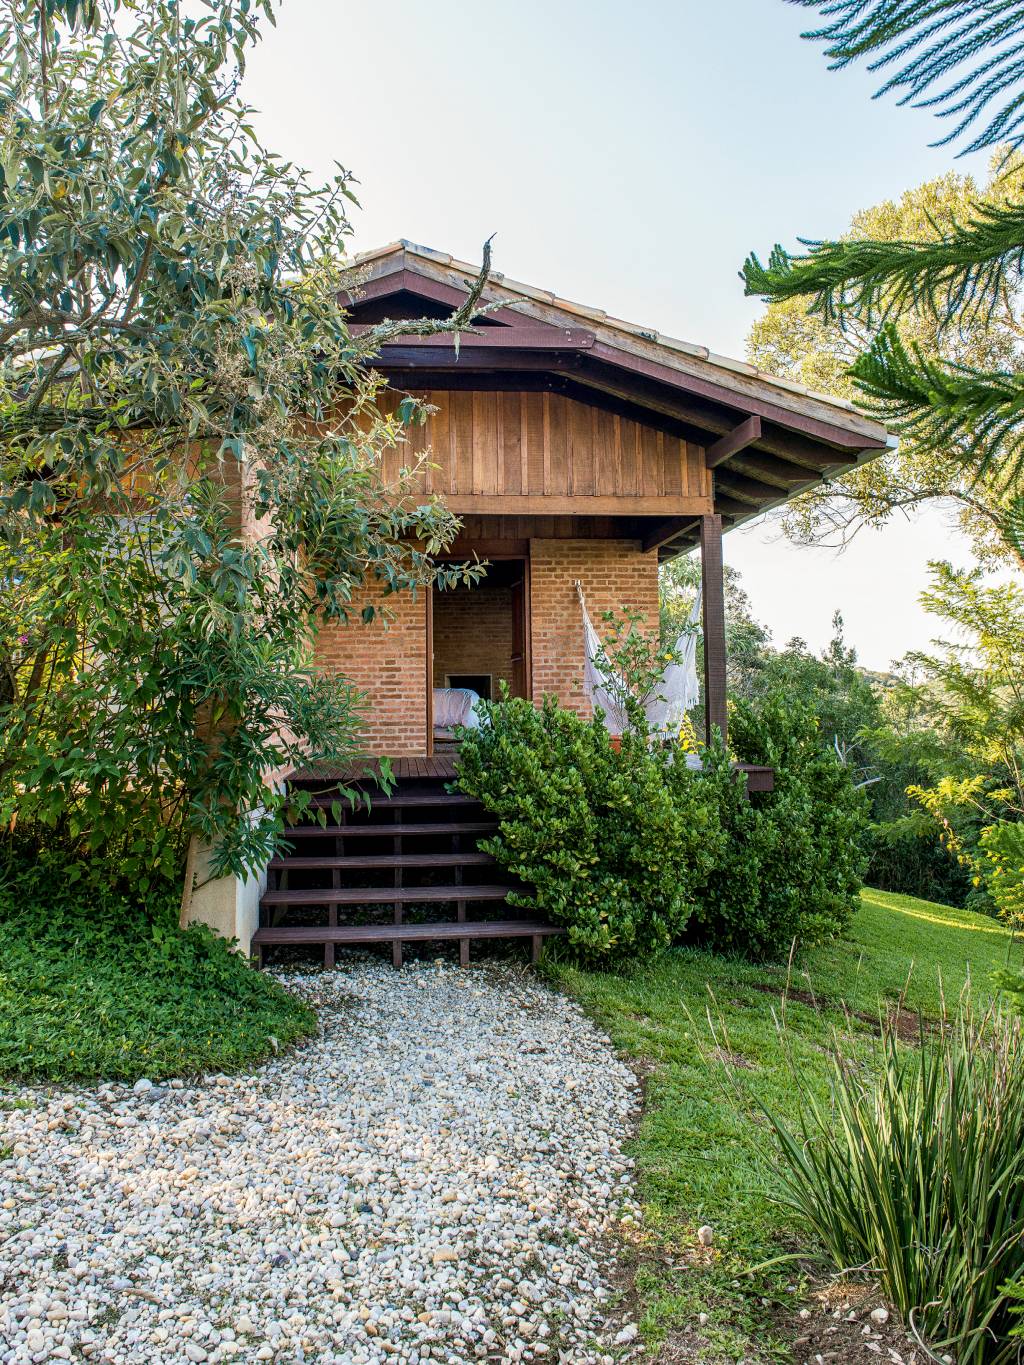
x: 434, y: 1178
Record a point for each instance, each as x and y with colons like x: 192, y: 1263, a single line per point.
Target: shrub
x: 792, y: 861
x: 917, y: 1174
x: 601, y: 842
x: 95, y: 985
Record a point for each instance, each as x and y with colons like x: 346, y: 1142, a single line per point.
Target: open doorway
x: 480, y: 640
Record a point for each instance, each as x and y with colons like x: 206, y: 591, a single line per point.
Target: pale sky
x: 627, y: 156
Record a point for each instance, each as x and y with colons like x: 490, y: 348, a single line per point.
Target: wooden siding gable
x: 508, y: 452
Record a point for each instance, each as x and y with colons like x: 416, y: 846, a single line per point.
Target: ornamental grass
x: 913, y: 1172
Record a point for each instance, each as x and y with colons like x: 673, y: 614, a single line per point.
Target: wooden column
x: 713, y: 591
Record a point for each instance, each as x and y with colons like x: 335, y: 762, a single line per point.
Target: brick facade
x: 614, y: 574
x: 390, y: 663
x: 473, y: 633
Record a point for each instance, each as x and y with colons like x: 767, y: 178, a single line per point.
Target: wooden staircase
x: 406, y: 870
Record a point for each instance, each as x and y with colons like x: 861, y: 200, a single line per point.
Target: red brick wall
x: 390, y: 665
x: 614, y: 574
x: 473, y: 633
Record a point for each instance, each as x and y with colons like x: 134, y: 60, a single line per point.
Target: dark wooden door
x: 519, y: 638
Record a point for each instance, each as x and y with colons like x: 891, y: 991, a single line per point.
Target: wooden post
x: 713, y: 592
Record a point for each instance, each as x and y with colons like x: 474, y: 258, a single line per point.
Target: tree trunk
x: 190, y: 881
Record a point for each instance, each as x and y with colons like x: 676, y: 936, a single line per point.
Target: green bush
x: 792, y: 861
x: 1001, y: 865
x: 94, y: 985
x: 916, y: 1173
x: 601, y: 842
x: 632, y: 850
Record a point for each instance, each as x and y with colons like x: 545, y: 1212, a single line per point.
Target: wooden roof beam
x: 521, y: 338
x: 406, y: 281
x: 782, y: 443
x: 663, y: 532
x: 731, y: 507
x: 748, y: 490
x: 780, y: 474
x: 733, y: 442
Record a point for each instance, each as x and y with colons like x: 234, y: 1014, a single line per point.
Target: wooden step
x: 399, y: 801
x: 397, y: 934
x: 381, y: 860
x: 383, y: 895
x: 383, y: 831
x: 408, y: 933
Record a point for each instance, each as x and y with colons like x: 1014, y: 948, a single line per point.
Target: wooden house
x: 574, y: 447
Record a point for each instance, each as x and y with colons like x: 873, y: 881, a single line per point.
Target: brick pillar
x: 614, y: 574
x: 389, y: 664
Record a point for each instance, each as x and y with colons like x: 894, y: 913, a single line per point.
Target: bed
x: 454, y: 706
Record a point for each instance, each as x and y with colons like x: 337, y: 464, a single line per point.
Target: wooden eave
x: 764, y: 439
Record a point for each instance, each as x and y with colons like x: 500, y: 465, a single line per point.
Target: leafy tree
x: 833, y: 686
x: 190, y: 471
x: 973, y: 687
x: 807, y: 347
x: 745, y: 637
x: 956, y: 58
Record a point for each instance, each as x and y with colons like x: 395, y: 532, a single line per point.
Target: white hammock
x: 675, y: 694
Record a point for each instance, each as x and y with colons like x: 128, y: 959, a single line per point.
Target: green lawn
x: 704, y: 1153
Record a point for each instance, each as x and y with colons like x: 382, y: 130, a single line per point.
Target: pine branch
x: 957, y: 279
x: 956, y: 57
x: 977, y: 417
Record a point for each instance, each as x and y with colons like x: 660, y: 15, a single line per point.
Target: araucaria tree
x: 190, y: 472
x: 788, y: 341
x: 964, y: 61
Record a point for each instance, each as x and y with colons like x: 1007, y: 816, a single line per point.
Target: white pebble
x: 411, y: 1184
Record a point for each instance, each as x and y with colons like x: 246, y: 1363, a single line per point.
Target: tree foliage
x: 957, y: 277
x: 790, y: 342
x: 952, y: 56
x: 190, y: 469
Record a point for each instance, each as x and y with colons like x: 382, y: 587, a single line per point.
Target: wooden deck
x: 435, y: 767
x: 441, y: 768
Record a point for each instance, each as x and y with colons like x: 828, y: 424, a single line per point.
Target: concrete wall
x: 229, y: 905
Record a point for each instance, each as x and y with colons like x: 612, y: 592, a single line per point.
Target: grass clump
x: 916, y: 1172
x: 95, y: 986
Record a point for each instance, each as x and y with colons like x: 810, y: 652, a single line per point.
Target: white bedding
x: 454, y: 706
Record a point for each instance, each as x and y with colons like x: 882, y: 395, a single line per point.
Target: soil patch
x: 906, y: 1023
x: 839, y: 1330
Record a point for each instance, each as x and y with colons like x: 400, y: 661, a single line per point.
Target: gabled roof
x: 766, y: 438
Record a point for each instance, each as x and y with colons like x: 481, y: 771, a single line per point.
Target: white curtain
x: 679, y: 689
x: 676, y: 693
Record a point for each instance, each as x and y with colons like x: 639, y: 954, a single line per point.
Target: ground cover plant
x: 95, y: 986
x: 695, y: 1025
